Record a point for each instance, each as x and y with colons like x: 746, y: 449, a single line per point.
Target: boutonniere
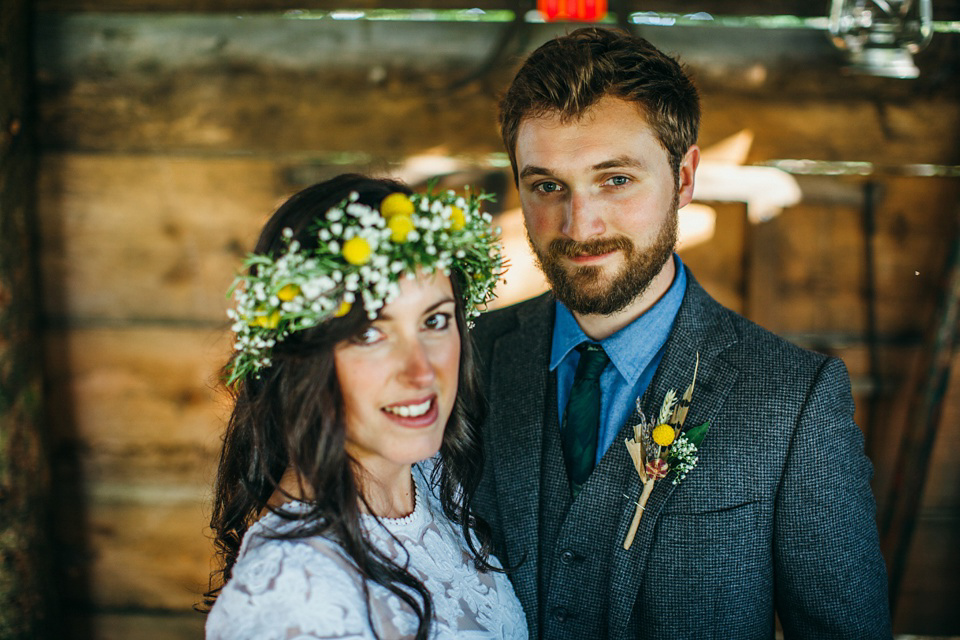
x: 660, y: 447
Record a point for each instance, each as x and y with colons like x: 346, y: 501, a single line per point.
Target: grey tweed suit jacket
x: 777, y: 516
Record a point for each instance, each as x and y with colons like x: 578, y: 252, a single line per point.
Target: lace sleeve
x: 290, y: 590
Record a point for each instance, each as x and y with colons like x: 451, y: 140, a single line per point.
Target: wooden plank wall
x: 167, y: 138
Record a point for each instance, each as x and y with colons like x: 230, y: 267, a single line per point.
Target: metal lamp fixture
x: 573, y: 10
x: 881, y: 36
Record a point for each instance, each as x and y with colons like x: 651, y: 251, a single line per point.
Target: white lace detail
x: 309, y: 588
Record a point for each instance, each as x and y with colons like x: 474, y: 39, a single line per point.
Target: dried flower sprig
x: 661, y: 447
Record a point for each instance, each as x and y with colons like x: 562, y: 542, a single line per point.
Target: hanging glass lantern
x: 881, y: 36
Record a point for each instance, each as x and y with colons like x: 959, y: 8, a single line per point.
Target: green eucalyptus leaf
x: 696, y: 434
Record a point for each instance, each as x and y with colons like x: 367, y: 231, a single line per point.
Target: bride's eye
x: 438, y: 321
x: 370, y: 335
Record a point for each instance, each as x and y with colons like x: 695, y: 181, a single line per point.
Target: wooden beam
x: 28, y: 607
x: 731, y: 7
x: 201, y: 83
x: 203, y: 112
x: 943, y: 9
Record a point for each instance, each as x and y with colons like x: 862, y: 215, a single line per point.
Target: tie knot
x: 593, y: 360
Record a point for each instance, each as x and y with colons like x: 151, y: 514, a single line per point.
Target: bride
x: 335, y: 516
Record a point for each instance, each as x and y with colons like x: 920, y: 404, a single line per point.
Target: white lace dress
x: 309, y: 588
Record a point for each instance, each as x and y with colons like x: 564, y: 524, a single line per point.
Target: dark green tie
x: 582, y: 416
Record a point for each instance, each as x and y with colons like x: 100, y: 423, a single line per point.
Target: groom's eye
x: 547, y: 187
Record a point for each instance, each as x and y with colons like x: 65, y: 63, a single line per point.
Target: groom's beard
x: 587, y: 290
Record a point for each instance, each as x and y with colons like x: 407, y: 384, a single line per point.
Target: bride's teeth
x: 410, y: 411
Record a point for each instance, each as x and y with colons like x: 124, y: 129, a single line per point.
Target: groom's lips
x: 587, y: 259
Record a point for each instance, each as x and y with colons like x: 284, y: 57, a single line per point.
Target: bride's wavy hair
x: 293, y: 416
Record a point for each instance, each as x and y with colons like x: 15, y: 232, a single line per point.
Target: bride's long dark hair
x: 292, y: 416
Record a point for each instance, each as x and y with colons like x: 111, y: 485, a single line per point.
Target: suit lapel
x: 699, y: 329
x: 520, y: 371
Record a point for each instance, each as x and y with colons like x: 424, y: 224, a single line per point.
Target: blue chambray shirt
x: 635, y: 352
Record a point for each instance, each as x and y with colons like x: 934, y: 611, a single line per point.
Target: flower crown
x: 362, y: 252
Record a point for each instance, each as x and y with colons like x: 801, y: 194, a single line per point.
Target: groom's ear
x: 686, y: 176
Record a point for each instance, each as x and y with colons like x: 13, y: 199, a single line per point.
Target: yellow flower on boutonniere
x: 660, y: 447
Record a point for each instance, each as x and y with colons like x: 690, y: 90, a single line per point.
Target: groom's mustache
x: 568, y: 248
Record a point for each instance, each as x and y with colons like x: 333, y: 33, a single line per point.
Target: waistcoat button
x: 560, y: 614
x: 567, y: 556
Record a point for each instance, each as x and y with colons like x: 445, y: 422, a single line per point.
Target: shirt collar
x: 632, y: 348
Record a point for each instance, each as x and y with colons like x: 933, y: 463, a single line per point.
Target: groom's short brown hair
x: 570, y: 73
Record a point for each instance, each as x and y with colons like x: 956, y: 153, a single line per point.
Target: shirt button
x: 567, y: 556
x: 560, y: 614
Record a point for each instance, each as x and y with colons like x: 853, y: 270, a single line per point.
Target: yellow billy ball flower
x: 400, y: 227
x: 663, y: 435
x: 457, y: 219
x: 343, y: 309
x: 396, y: 204
x: 270, y: 321
x: 357, y: 251
x: 288, y: 293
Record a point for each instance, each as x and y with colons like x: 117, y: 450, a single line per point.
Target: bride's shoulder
x: 268, y: 552
x: 306, y: 582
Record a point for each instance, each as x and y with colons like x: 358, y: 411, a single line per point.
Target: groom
x: 777, y: 516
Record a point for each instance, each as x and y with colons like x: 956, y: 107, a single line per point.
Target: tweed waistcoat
x: 571, y: 540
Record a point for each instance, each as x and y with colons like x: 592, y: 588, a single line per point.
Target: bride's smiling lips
x: 416, y: 413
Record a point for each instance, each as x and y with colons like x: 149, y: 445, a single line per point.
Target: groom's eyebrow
x: 623, y: 161
x: 531, y: 170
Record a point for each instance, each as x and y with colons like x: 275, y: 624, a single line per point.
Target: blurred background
x: 144, y: 142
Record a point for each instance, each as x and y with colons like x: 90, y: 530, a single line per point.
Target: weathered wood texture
x: 174, y: 258
x: 148, y: 237
x: 817, y: 252
x: 143, y: 626
x: 28, y: 607
x: 139, y: 420
x: 220, y: 84
x: 168, y: 139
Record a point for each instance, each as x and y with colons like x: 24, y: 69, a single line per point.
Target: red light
x: 573, y: 10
